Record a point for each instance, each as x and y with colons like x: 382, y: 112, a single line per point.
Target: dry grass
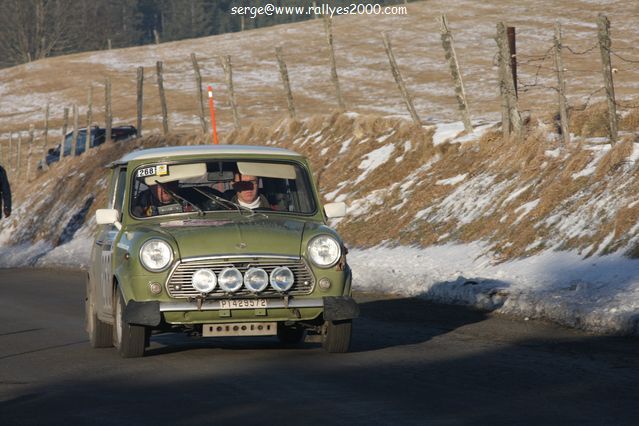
x: 615, y: 158
x: 391, y: 215
x: 630, y: 122
x: 591, y: 121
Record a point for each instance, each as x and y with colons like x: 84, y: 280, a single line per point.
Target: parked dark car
x: 98, y: 136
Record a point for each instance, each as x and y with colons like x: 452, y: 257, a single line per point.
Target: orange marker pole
x: 212, y: 108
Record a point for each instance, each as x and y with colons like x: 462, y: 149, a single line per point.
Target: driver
x: 155, y: 200
x: 247, y: 192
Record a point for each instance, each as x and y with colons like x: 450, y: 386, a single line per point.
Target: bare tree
x: 34, y: 29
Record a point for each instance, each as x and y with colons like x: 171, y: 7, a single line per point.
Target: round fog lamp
x: 256, y: 280
x: 230, y: 280
x: 282, y: 278
x: 204, y: 280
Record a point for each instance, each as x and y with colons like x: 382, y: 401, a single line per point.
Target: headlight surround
x: 156, y: 255
x: 324, y: 251
x: 282, y: 278
x: 230, y: 280
x: 255, y: 280
x: 204, y: 280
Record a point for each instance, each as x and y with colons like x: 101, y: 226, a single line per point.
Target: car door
x: 105, y: 244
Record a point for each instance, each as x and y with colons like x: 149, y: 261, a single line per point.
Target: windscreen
x: 214, y: 186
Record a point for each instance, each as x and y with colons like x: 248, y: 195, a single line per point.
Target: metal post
x: 512, y: 48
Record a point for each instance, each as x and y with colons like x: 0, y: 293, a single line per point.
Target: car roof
x: 178, y: 151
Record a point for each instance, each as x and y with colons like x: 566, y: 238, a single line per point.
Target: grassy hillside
x: 404, y: 185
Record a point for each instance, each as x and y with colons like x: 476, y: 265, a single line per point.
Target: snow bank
x: 599, y: 294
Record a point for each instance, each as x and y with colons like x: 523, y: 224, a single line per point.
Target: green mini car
x: 217, y: 240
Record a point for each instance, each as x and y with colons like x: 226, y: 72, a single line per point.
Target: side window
x: 119, y: 192
x: 116, y: 191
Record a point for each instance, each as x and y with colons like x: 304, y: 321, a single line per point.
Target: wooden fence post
x: 74, y: 137
x: 140, y: 99
x: 165, y: 114
x: 108, y: 43
x: 511, y: 119
x: 603, y: 25
x: 451, y: 56
x: 19, y: 156
x: 200, y: 96
x: 156, y: 36
x: 65, y: 125
x: 285, y: 82
x: 30, y: 152
x: 45, y: 137
x: 399, y: 80
x: 328, y: 27
x: 108, y: 116
x: 228, y: 72
x: 10, y: 154
x: 89, y: 117
x: 563, y: 107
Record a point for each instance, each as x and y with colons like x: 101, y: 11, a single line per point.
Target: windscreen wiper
x: 227, y: 203
x: 179, y: 199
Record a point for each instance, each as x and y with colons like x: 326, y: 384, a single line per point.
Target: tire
x: 100, y: 333
x: 336, y: 336
x: 129, y: 340
x: 289, y: 335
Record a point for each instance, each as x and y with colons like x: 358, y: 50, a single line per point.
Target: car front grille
x: 179, y: 283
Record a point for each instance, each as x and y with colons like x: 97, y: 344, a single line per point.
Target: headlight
x: 324, y: 251
x: 156, y: 255
x: 282, y: 278
x: 204, y: 280
x: 255, y: 280
x: 230, y: 280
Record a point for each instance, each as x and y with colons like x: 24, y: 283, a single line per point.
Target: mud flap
x: 142, y: 313
x: 340, y: 308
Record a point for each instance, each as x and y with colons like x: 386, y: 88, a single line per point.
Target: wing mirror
x: 108, y: 217
x: 334, y: 210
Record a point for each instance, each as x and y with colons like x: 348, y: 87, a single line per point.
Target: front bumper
x: 334, y: 308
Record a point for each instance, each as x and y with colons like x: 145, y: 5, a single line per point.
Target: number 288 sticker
x: 160, y: 170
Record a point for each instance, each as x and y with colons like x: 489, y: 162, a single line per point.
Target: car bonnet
x: 254, y: 235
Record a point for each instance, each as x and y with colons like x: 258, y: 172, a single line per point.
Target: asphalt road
x: 412, y: 363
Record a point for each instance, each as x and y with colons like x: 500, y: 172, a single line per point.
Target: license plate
x: 243, y: 304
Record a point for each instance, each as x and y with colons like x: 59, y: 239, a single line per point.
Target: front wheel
x: 128, y: 339
x: 336, y: 336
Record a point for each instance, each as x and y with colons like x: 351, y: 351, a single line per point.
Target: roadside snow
x: 599, y: 294
x: 373, y: 160
x: 452, y: 181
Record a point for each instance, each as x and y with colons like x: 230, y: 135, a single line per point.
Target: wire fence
x: 537, y: 74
